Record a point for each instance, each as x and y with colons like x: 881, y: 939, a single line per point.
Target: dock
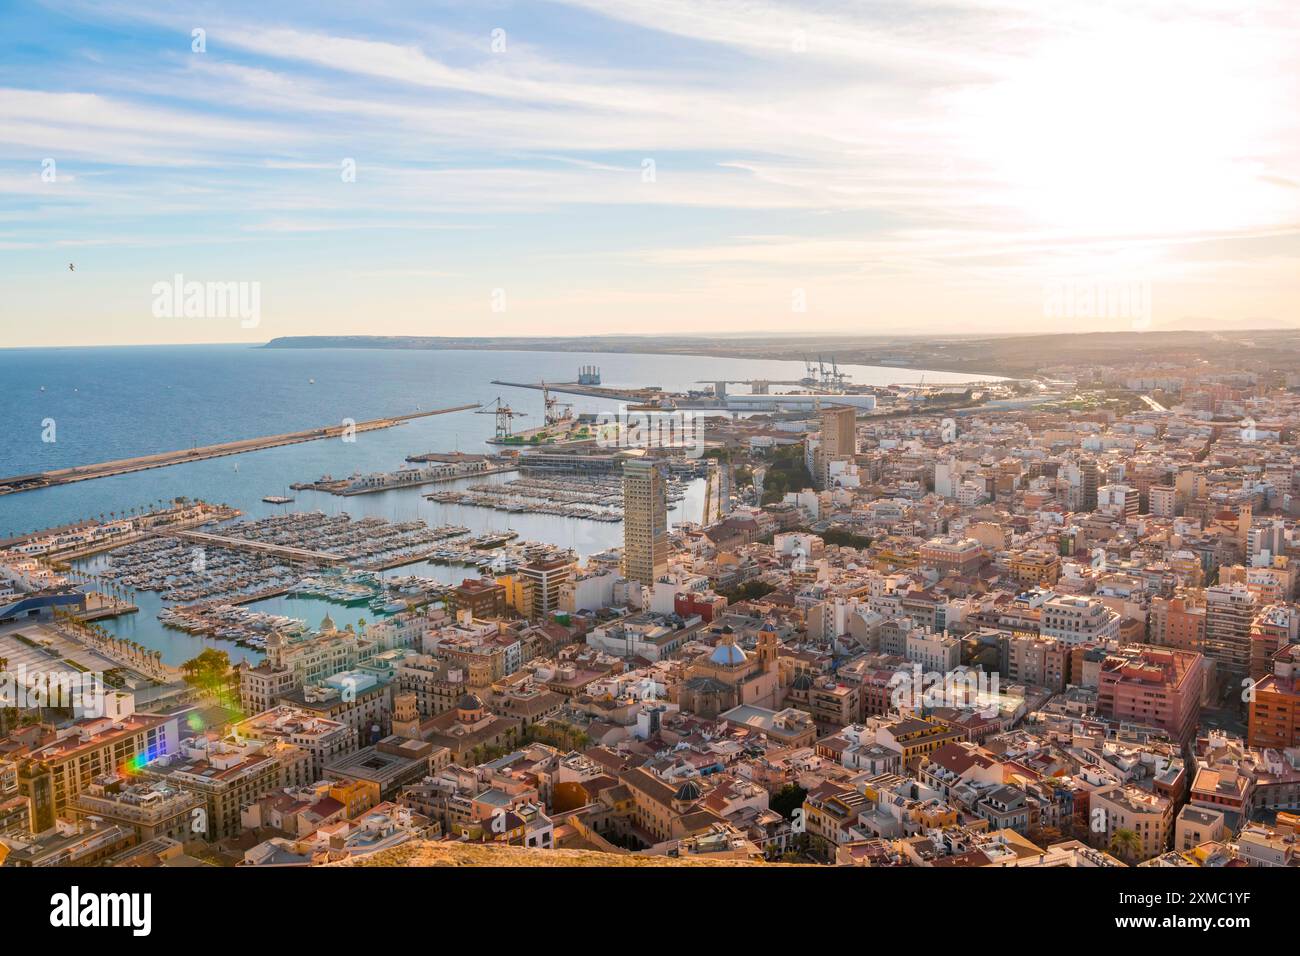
x: 261, y: 547
x: 344, y: 487
x: 591, y: 391
x: 122, y: 466
x: 504, y: 469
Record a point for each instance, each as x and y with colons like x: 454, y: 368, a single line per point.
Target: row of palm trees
x: 114, y: 515
x: 133, y: 653
x: 151, y: 507
x: 106, y: 586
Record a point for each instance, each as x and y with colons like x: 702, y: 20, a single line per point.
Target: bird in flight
x: 72, y: 267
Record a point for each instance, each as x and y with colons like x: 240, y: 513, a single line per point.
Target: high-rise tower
x: 645, y: 520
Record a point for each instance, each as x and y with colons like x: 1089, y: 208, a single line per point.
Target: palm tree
x: 1125, y: 843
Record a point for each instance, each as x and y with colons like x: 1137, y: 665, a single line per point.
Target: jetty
x: 261, y: 547
x: 590, y: 391
x: 122, y: 466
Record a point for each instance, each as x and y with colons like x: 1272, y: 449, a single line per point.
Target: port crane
x: 837, y: 376
x: 554, y: 410
x: 504, y: 416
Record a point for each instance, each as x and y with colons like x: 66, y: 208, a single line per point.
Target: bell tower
x: 406, y: 716
x: 767, y: 646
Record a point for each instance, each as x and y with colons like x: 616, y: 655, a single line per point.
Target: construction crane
x: 504, y: 415
x: 918, y: 394
x: 554, y: 411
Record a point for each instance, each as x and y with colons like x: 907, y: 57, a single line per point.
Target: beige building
x: 1043, y: 661
x: 547, y: 579
x: 226, y: 776
x: 729, y: 677
x: 839, y: 440
x: 98, y: 746
x: 645, y: 521
x: 150, y: 809
x: 1073, y: 619
x: 1197, y: 825
x: 1122, y: 807
x: 321, y: 737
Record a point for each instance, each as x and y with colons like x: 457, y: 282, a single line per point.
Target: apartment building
x: 1156, y: 687
x: 1034, y: 568
x: 939, y: 652
x: 322, y: 738
x: 91, y: 748
x: 1037, y: 660
x: 1177, y: 622
x: 148, y: 809
x: 961, y: 556
x: 1072, y: 620
x: 1125, y: 807
x: 484, y: 599
x: 838, y: 442
x: 1273, y: 628
x: 1121, y: 500
x: 225, y: 776
x: 548, y: 578
x: 1275, y: 707
x: 1229, y: 612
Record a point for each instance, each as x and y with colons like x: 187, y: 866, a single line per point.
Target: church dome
x: 802, y: 682
x: 727, y: 654
x: 469, y: 702
x: 328, y: 623
x: 688, y: 792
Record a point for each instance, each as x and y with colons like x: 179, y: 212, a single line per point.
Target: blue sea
x: 99, y: 404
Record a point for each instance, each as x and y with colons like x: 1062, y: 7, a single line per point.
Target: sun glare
x: 1140, y: 133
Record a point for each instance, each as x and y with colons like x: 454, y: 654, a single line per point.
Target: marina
x: 277, y: 575
x: 590, y: 497
x: 230, y: 622
x: 316, y: 537
x: 178, y: 572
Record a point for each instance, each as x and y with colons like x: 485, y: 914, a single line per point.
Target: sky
x: 707, y: 167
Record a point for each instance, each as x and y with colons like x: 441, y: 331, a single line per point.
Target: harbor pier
x: 122, y: 466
